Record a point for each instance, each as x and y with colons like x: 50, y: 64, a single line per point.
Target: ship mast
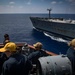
x: 49, y: 12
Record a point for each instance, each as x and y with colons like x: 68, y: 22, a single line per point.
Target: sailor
x: 39, y: 52
x: 6, y: 39
x: 17, y: 64
x: 3, y: 58
x: 25, y: 49
x: 71, y: 54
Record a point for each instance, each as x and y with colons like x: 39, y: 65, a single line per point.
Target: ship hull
x: 65, y: 29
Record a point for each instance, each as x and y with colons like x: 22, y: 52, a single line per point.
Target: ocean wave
x: 59, y: 39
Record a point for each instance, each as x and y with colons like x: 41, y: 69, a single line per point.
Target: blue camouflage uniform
x: 37, y: 54
x: 3, y: 58
x: 17, y: 64
x: 71, y: 56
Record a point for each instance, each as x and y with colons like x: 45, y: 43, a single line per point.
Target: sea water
x: 20, y: 29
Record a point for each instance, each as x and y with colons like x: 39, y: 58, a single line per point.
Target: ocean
x: 20, y: 29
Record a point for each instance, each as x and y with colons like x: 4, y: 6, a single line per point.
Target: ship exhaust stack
x: 49, y: 12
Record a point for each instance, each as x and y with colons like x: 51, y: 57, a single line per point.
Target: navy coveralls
x: 17, y: 64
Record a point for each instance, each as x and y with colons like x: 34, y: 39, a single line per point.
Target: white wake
x: 56, y: 38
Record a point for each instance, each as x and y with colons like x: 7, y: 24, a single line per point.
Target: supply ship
x: 58, y: 26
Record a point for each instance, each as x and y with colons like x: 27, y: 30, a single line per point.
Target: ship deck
x: 59, y: 20
x: 63, y: 21
x: 31, y: 48
x: 34, y: 71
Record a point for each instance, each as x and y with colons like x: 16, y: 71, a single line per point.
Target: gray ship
x: 58, y: 26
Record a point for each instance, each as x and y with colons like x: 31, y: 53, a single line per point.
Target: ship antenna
x: 49, y: 12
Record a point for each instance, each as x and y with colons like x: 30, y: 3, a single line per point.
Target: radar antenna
x: 49, y: 12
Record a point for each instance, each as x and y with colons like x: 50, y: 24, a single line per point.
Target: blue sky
x: 37, y: 6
